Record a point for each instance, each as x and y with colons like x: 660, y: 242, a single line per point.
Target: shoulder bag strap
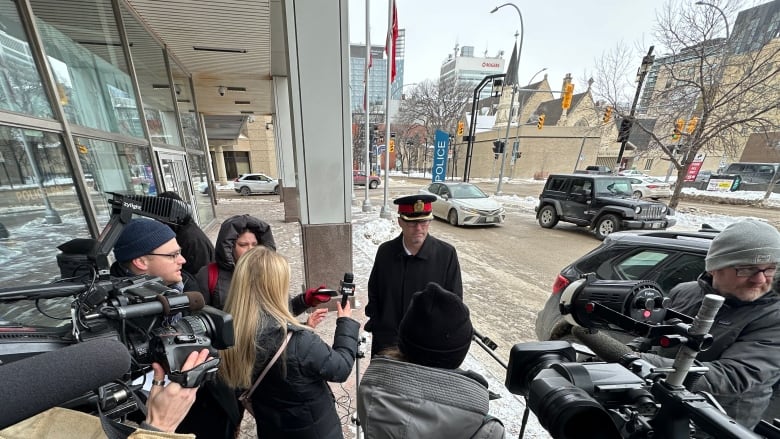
x: 270, y: 363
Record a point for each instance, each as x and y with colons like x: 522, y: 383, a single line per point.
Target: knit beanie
x: 747, y: 242
x: 436, y: 330
x: 140, y: 237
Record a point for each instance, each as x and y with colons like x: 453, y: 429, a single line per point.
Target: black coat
x: 396, y: 276
x: 294, y: 400
x: 196, y: 247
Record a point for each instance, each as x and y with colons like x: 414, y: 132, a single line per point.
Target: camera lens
x: 527, y: 359
x: 566, y: 411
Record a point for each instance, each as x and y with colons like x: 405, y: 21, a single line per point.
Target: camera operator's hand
x: 345, y: 311
x: 313, y: 297
x: 168, y: 405
x: 316, y: 317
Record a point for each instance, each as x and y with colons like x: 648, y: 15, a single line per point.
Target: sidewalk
x: 368, y: 232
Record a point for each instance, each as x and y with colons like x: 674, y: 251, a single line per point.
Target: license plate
x: 656, y: 225
x: 491, y: 219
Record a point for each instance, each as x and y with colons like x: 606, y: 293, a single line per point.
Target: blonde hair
x: 258, y: 297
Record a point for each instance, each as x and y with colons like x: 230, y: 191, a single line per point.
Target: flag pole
x: 367, y: 110
x: 392, y: 32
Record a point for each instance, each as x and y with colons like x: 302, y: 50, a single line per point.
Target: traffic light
x: 498, y: 147
x: 567, y: 94
x: 460, y: 128
x: 392, y: 145
x: 692, y: 125
x: 625, y: 129
x: 607, y: 114
x: 540, y: 124
x: 678, y: 129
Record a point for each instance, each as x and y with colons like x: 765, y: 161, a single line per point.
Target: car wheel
x: 452, y: 217
x: 373, y: 184
x: 245, y: 191
x: 637, y: 194
x: 547, y: 217
x: 606, y: 224
x: 276, y: 190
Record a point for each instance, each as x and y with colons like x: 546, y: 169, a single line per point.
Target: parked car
x: 703, y: 176
x: 247, y: 184
x: 665, y: 257
x: 203, y: 187
x: 650, y: 187
x: 603, y: 203
x: 359, y: 178
x: 463, y: 204
x: 593, y: 169
x: 632, y: 173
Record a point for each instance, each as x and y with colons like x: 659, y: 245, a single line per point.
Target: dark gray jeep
x: 602, y: 202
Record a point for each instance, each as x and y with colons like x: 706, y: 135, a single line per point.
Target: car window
x: 636, y: 266
x: 556, y: 184
x: 467, y: 191
x: 578, y: 185
x: 434, y: 188
x: 687, y: 267
x: 600, y: 263
x: 610, y: 186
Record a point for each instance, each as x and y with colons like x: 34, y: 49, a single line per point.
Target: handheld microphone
x: 347, y: 287
x: 190, y: 300
x: 38, y: 383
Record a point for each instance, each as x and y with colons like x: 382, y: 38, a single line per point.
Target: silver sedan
x: 463, y: 204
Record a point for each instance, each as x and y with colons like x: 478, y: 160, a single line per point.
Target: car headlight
x: 638, y: 209
x: 663, y: 209
x: 469, y: 210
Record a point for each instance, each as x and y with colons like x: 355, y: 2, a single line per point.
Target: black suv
x: 665, y: 257
x: 602, y: 202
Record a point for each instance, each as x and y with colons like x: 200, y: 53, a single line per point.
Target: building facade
x: 377, y: 79
x: 462, y: 67
x: 83, y: 114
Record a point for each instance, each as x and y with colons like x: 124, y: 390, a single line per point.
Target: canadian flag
x: 392, y: 37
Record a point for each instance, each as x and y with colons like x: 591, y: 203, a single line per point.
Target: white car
x: 650, y: 187
x: 632, y: 173
x: 247, y: 184
x: 463, y: 204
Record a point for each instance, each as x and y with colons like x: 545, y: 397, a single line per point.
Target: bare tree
x: 726, y: 90
x: 434, y: 105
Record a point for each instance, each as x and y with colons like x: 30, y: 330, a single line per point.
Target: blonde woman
x: 294, y: 399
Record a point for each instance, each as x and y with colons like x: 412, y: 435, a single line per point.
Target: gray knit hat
x: 747, y: 242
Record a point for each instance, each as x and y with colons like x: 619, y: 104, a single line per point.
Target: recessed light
x: 219, y: 49
x: 243, y: 102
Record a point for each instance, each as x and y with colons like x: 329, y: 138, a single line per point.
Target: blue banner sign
x: 440, y: 149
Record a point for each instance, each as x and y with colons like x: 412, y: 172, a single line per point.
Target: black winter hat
x: 436, y: 330
x: 140, y: 237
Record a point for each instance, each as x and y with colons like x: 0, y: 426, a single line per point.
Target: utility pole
x: 628, y: 122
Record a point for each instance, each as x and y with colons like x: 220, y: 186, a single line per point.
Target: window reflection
x: 114, y: 167
x: 39, y: 209
x: 89, y: 68
x: 21, y: 89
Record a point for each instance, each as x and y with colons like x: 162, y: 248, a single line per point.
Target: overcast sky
x: 563, y: 35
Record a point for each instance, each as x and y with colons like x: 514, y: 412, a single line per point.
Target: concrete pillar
x: 316, y: 36
x: 219, y: 157
x: 284, y: 148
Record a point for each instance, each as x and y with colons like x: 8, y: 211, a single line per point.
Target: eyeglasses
x: 752, y: 271
x: 173, y: 255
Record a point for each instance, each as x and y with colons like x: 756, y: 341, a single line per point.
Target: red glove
x: 313, y: 297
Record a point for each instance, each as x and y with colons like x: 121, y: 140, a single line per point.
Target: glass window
x: 638, y: 265
x: 39, y: 209
x: 21, y: 89
x: 189, y: 120
x: 89, y: 66
x: 687, y: 267
x: 153, y: 82
x: 199, y: 175
x: 115, y: 167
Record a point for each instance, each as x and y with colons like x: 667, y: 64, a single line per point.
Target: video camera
x: 155, y: 323
x: 629, y: 398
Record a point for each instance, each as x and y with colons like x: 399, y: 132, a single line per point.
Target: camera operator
x: 744, y: 359
x: 150, y: 247
x: 417, y: 389
x: 166, y: 406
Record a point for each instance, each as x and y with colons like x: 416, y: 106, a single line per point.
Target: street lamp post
x: 722, y: 14
x: 473, y: 123
x: 366, y: 199
x: 625, y: 126
x: 516, y: 143
x: 514, y: 89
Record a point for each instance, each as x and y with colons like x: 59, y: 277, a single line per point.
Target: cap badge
x: 419, y: 206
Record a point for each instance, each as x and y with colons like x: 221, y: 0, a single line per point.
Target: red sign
x: 694, y: 167
x: 490, y: 64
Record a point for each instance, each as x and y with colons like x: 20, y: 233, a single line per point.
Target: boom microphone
x: 35, y: 384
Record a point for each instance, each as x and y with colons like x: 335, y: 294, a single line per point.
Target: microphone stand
x: 358, y: 355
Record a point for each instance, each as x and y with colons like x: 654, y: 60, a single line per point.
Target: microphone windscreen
x: 38, y: 383
x: 197, y: 302
x: 606, y: 347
